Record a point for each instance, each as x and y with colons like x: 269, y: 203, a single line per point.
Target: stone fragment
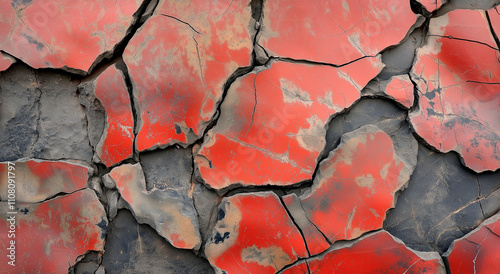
x: 457, y: 75
x: 458, y: 198
x: 273, y: 122
x: 478, y: 251
x: 400, y: 88
x: 5, y: 61
x: 335, y: 32
x: 50, y: 236
x: 378, y: 252
x: 253, y: 233
x: 37, y: 180
x: 170, y: 214
x: 137, y: 248
x: 432, y: 5
x: 179, y: 61
x: 64, y: 33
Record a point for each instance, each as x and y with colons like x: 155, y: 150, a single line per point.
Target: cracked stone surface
x: 254, y: 233
x: 355, y: 29
x: 63, y: 228
x: 478, y: 251
x: 374, y: 253
x: 432, y: 5
x: 457, y: 75
x: 272, y: 125
x: 400, y: 88
x: 64, y: 33
x: 197, y: 45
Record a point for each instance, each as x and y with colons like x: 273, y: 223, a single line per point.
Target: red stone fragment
x: 5, y: 60
x: 351, y: 191
x: 335, y: 32
x: 458, y: 83
x: 478, y: 251
x: 37, y: 180
x: 272, y: 124
x: 117, y: 141
x: 378, y: 252
x: 400, y: 88
x: 179, y: 70
x: 63, y: 33
x: 254, y: 234
x: 432, y: 5
x: 51, y: 235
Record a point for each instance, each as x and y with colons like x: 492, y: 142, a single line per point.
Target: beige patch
x: 365, y: 181
x: 266, y: 256
x: 293, y: 94
x: 312, y: 138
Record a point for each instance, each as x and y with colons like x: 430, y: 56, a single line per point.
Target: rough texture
x: 400, y: 88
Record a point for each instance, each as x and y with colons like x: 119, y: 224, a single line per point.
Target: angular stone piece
x: 272, y: 124
x: 64, y: 33
x: 400, y: 88
x: 253, y: 233
x: 478, y: 251
x: 377, y: 252
x: 335, y: 32
x: 135, y: 248
x: 5, y: 61
x: 171, y: 215
x: 179, y: 61
x: 432, y: 5
x: 458, y: 85
x: 37, y: 180
x: 315, y: 241
x: 49, y: 236
x: 370, y: 185
x: 116, y: 143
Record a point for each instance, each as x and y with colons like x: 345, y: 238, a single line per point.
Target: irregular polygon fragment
x: 5, y: 61
x: 335, y: 32
x: 458, y: 78
x: 49, y: 236
x: 355, y: 185
x: 171, y: 215
x: 64, y: 33
x: 400, y: 88
x: 478, y: 251
x: 179, y: 61
x: 254, y: 233
x: 272, y: 124
x: 36, y: 180
x: 432, y: 5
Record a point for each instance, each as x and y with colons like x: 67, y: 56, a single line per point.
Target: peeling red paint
x: 117, y: 141
x: 63, y: 33
x: 400, y: 88
x: 458, y: 88
x: 335, y: 32
x: 179, y: 75
x: 254, y: 233
x: 51, y: 235
x: 272, y: 124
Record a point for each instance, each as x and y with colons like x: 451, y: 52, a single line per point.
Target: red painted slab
x: 478, y: 251
x: 5, y: 61
x: 165, y: 213
x: 254, y: 234
x: 300, y: 268
x: 400, y: 88
x: 37, y: 180
x: 375, y: 253
x: 334, y: 32
x: 272, y: 124
x: 432, y: 5
x: 179, y: 70
x: 50, y: 236
x: 117, y: 141
x: 55, y: 34
x: 350, y: 194
x: 458, y: 83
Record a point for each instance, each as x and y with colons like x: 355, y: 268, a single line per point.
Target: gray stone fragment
x: 112, y: 199
x: 206, y: 202
x: 96, y: 114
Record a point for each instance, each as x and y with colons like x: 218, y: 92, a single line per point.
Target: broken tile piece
x: 272, y: 124
x: 315, y: 241
x: 37, y: 180
x: 432, y: 5
x: 172, y: 215
x: 64, y: 33
x: 5, y: 61
x: 179, y: 61
x: 253, y: 233
x: 116, y: 143
x: 335, y: 32
x: 400, y: 88
x: 50, y: 236
x: 370, y: 185
x: 478, y: 251
x: 377, y: 252
x: 457, y: 75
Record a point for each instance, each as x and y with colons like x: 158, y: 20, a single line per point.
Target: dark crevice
x: 296, y: 225
x: 418, y: 8
x: 58, y: 195
x: 462, y: 39
x: 179, y: 20
x: 309, y: 62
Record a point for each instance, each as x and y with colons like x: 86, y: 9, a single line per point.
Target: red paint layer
x: 401, y: 89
